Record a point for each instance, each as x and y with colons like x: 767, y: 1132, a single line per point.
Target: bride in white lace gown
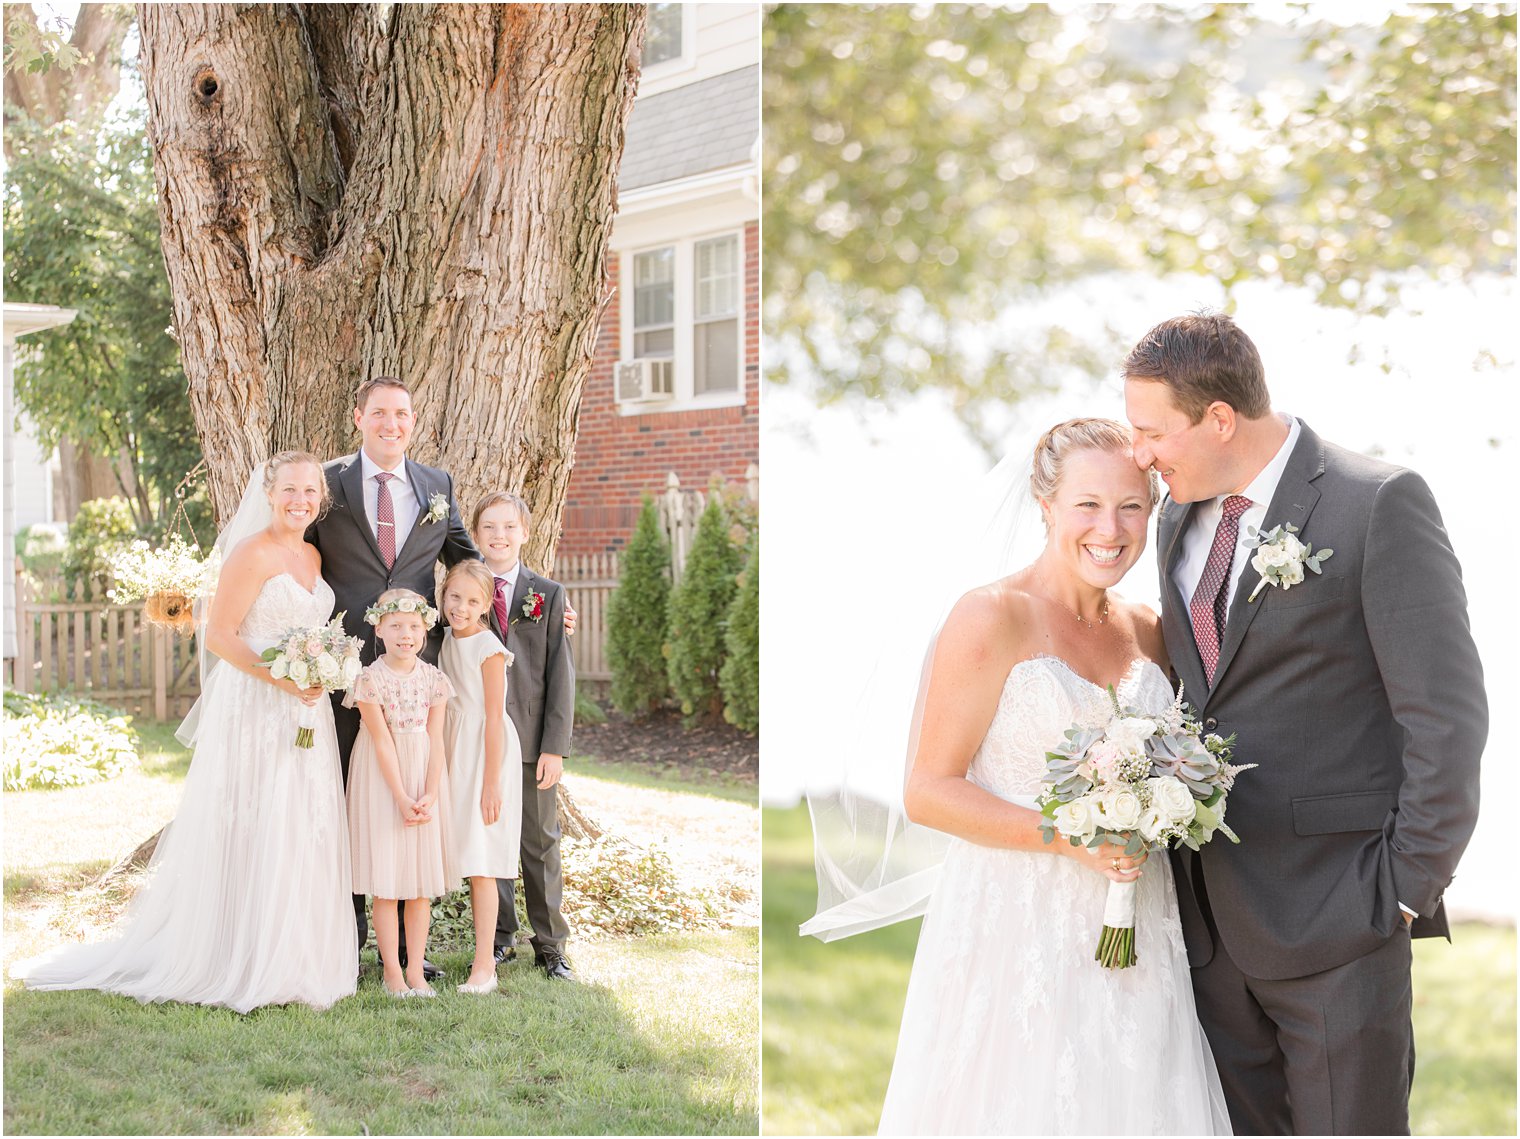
x: 1010, y: 1025
x: 247, y: 899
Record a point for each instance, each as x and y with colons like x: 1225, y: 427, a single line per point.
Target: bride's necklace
x: 1102, y: 617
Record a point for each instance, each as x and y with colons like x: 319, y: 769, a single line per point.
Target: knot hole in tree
x: 206, y: 87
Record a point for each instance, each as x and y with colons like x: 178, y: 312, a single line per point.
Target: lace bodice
x: 282, y: 605
x: 1041, y: 698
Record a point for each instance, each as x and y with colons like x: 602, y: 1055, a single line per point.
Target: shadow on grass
x: 538, y: 1057
x: 831, y: 1013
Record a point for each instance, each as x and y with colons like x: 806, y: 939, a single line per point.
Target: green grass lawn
x: 831, y: 1013
x: 715, y: 784
x: 659, y: 1038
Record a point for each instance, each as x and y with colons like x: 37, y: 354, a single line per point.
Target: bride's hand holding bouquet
x: 1135, y: 783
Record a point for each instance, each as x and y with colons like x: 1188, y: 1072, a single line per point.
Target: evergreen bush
x: 739, y: 677
x: 699, y: 615
x: 637, y: 619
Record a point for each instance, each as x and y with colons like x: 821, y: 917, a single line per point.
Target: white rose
x: 1270, y: 557
x: 278, y: 670
x: 1291, y: 575
x: 298, y: 673
x: 1076, y: 819
x: 406, y: 605
x: 1121, y: 810
x: 1129, y: 733
x: 327, y: 668
x: 1293, y: 547
x: 350, y: 669
x: 1152, y: 823
x: 1172, y: 798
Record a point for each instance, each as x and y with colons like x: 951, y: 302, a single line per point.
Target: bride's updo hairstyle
x: 1066, y: 439
x: 284, y: 459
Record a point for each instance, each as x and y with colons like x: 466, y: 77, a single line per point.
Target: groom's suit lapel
x: 423, y: 490
x: 351, y: 479
x: 1188, y: 665
x: 1291, y: 505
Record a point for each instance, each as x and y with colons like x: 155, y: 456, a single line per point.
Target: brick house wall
x: 619, y: 458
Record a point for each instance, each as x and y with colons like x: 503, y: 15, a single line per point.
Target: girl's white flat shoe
x: 483, y: 987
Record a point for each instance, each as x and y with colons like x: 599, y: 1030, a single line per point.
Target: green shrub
x: 699, y: 615
x: 588, y: 709
x: 637, y: 619
x: 102, y: 528
x: 453, y: 925
x: 41, y: 550
x: 740, y: 675
x: 58, y: 741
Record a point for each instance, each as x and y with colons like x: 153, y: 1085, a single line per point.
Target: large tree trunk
x: 419, y: 190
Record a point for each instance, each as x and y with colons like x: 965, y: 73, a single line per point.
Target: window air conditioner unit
x: 645, y: 380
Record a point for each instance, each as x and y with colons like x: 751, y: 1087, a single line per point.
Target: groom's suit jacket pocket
x: 1334, y: 814
x: 1313, y: 590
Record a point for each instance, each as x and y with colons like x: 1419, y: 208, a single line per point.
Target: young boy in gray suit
x: 528, y: 615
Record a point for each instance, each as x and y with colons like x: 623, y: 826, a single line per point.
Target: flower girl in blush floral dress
x: 485, y: 757
x: 398, y: 793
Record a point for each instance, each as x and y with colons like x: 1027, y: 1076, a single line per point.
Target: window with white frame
x: 665, y: 34
x: 683, y: 333
x: 715, y: 345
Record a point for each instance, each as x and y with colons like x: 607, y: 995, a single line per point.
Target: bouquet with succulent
x: 323, y: 657
x: 1137, y: 781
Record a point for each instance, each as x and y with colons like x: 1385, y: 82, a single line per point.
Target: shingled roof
x: 702, y: 126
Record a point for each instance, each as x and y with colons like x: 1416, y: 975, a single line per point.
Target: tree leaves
x: 927, y: 168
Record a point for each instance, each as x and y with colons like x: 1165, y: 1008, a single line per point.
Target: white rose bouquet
x: 323, y: 656
x: 1140, y: 782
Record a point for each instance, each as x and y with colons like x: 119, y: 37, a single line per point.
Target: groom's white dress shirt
x: 403, y: 497
x: 1199, y: 537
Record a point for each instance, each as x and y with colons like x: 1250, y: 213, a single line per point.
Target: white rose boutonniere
x: 1281, y: 558
x: 438, y: 509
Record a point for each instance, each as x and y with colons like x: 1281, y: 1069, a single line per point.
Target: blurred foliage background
x: 928, y: 168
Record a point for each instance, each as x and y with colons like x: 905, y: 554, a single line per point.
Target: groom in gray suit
x: 391, y: 521
x: 1358, y: 692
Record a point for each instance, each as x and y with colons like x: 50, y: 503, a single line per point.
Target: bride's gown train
x: 247, y: 899
x: 1010, y: 1025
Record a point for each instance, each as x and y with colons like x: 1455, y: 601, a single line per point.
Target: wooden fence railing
x: 112, y: 654
x: 106, y: 652
x: 589, y: 580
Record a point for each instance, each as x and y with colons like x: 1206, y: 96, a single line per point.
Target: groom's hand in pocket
x: 550, y: 768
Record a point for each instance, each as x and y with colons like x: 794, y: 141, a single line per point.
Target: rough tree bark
x: 420, y: 190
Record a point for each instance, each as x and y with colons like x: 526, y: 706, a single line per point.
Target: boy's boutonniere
x: 532, y: 607
x: 438, y: 509
x: 1281, y: 558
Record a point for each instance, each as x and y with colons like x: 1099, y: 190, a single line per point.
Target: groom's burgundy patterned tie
x: 1208, y: 605
x: 385, y: 520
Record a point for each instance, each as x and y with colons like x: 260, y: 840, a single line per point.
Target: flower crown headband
x: 421, y: 608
